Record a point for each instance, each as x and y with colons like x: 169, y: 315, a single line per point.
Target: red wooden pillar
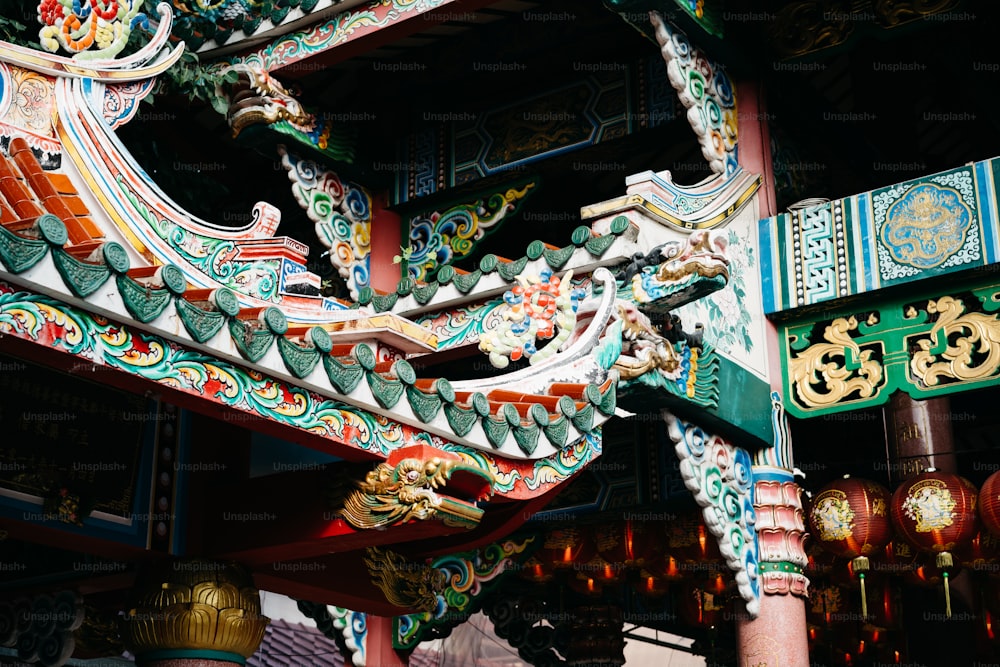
x: 386, y: 239
x: 378, y: 649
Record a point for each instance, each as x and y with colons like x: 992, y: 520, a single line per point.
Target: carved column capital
x: 781, y: 535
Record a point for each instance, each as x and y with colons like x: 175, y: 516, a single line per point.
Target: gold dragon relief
x: 406, y: 584
x: 836, y: 369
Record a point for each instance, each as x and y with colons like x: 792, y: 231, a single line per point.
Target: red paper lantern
x: 669, y: 568
x: 927, y: 573
x: 886, y: 607
x: 936, y: 512
x: 536, y: 571
x: 828, y: 604
x: 629, y: 543
x: 564, y: 547
x: 586, y: 585
x: 897, y: 558
x: 989, y: 504
x: 651, y: 586
x: 850, y: 518
x: 599, y: 570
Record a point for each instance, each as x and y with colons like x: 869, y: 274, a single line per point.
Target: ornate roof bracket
x: 679, y: 272
x: 719, y: 476
x: 679, y: 364
x: 343, y: 215
x: 438, y: 238
x: 406, y: 584
x: 257, y: 100
x: 471, y: 576
x: 926, y: 345
x: 706, y: 91
x: 417, y: 484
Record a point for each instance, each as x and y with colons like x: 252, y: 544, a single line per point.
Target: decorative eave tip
x: 95, y: 33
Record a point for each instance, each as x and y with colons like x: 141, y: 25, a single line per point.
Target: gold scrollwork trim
x: 828, y: 372
x: 962, y: 346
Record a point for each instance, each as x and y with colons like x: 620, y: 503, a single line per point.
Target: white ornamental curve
x: 719, y: 475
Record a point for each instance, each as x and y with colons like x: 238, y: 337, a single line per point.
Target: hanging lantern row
x: 934, y: 513
x: 657, y: 552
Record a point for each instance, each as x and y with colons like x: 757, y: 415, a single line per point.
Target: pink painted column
x: 778, y: 636
x: 754, y: 144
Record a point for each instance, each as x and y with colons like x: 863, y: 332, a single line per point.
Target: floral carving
x: 78, y: 25
x: 539, y: 307
x: 342, y: 213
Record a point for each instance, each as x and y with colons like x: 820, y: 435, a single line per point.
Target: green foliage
x: 405, y: 257
x: 12, y: 30
x: 191, y: 78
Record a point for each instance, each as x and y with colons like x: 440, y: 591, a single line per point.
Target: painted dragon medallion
x: 926, y: 226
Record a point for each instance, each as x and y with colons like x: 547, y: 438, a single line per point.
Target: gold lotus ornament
x: 195, y: 609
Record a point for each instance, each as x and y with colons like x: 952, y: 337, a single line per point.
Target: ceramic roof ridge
x: 455, y: 287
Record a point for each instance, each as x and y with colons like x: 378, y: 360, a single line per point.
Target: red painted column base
x: 378, y: 649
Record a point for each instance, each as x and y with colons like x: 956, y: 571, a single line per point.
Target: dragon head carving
x: 405, y: 583
x: 256, y: 98
x: 410, y: 485
x: 679, y: 272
